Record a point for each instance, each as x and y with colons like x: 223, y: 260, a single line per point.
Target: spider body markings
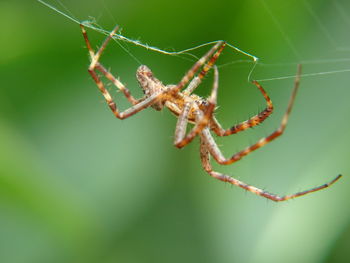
x: 190, y: 108
x: 175, y: 102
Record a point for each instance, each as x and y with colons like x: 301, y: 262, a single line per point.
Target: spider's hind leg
x: 252, y: 122
x: 209, y: 146
x: 205, y: 159
x: 216, y: 152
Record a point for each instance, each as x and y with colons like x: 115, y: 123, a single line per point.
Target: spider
x: 190, y: 108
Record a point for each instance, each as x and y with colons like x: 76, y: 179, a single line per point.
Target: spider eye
x: 144, y: 70
x: 203, y: 103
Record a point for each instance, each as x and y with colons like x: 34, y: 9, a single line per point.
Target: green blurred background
x: 77, y: 185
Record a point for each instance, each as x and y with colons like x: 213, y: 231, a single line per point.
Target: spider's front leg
x: 138, y: 105
x: 207, y: 62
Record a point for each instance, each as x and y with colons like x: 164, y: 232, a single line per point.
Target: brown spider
x: 189, y: 107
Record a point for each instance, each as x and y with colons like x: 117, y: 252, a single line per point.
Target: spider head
x: 144, y: 70
x: 149, y: 84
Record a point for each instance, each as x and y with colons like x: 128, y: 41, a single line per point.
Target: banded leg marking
x: 252, y: 122
x: 205, y: 158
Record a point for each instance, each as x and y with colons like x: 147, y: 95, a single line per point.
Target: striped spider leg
x: 138, y: 105
x: 209, y: 147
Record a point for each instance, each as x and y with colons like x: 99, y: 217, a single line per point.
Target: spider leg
x: 211, y: 56
x: 144, y: 103
x: 202, y: 120
x: 96, y: 65
x: 253, y: 121
x: 205, y: 159
x: 96, y: 56
x: 181, y: 124
x: 218, y: 156
x: 117, y: 83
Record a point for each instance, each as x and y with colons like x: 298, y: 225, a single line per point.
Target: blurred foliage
x: 76, y: 185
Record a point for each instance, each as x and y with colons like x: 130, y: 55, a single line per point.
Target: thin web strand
x: 280, y: 28
x: 320, y: 24
x: 341, y: 10
x: 306, y: 75
x: 105, y: 7
x: 65, y: 8
x: 92, y: 25
x: 255, y: 60
x: 346, y: 18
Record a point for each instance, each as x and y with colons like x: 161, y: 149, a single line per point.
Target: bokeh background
x: 77, y: 185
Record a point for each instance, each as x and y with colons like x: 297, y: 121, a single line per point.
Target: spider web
x: 335, y: 45
x: 92, y: 24
x: 334, y: 54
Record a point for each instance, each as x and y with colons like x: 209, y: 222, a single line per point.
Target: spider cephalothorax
x: 188, y: 107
